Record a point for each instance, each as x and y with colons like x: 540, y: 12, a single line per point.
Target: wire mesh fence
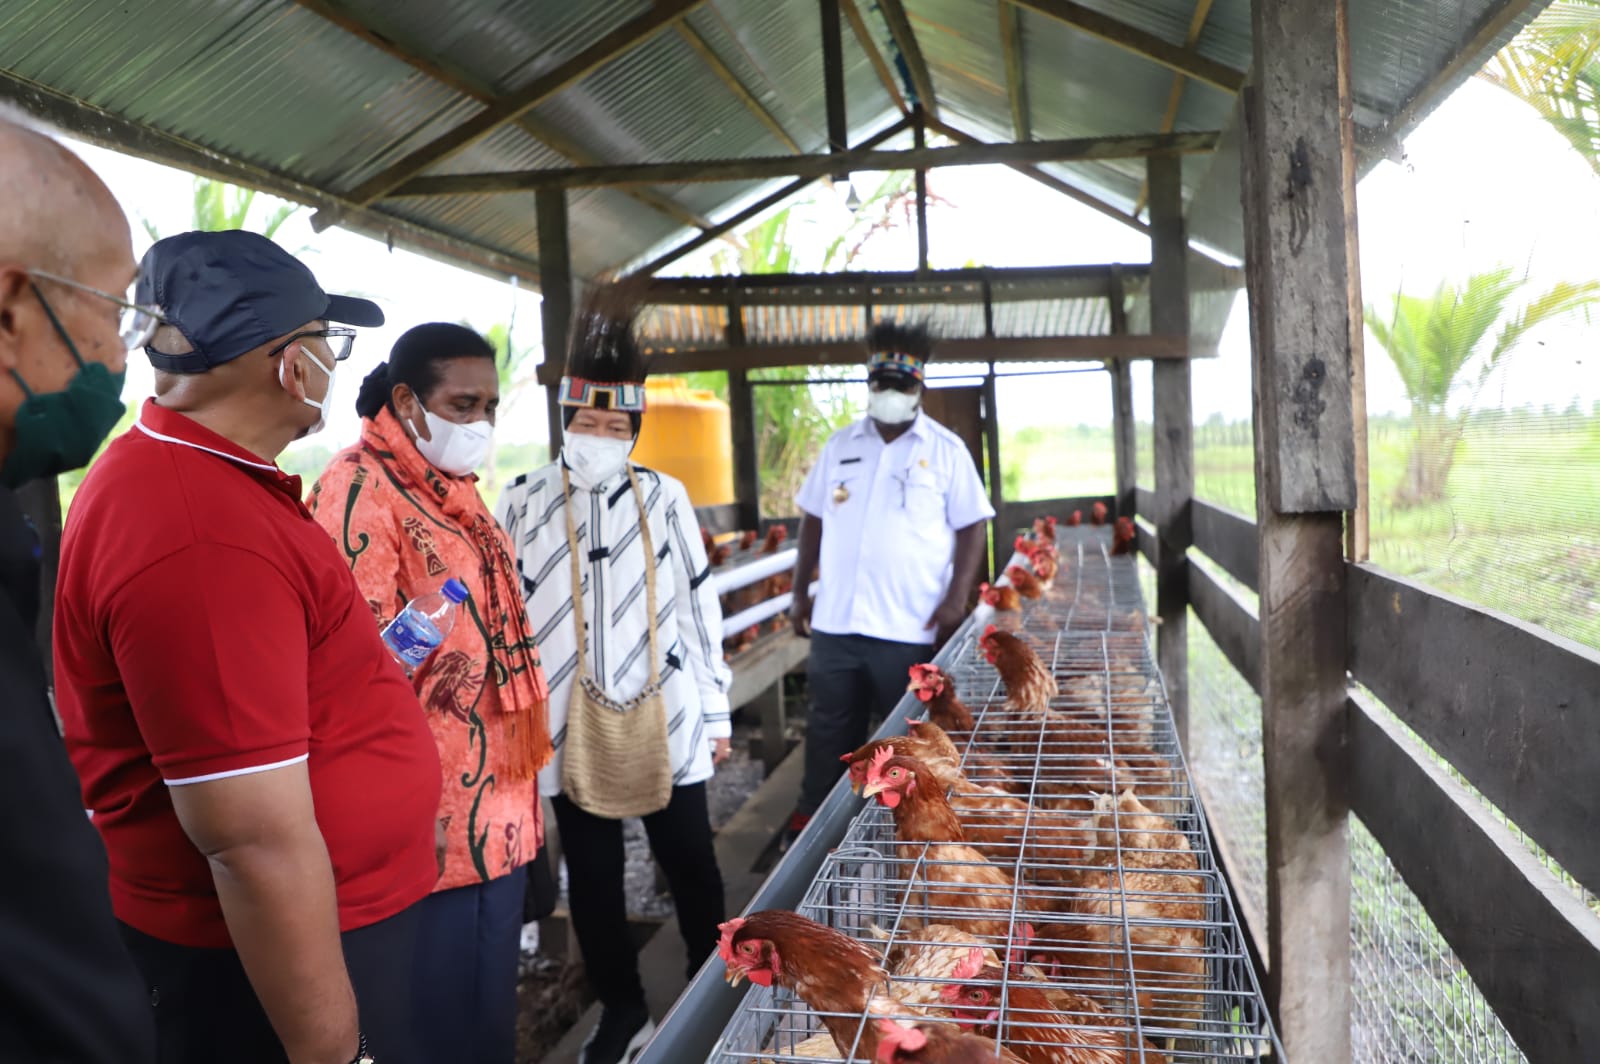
x: 1071, y: 903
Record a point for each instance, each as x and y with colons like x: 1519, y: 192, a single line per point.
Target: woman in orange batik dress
x: 403, y: 506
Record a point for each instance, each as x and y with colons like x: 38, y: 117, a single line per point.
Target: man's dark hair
x: 902, y: 338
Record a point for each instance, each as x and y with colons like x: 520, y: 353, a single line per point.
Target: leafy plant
x: 1446, y: 346
x: 1553, y: 65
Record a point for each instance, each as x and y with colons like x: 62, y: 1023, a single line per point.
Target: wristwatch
x: 362, y: 1056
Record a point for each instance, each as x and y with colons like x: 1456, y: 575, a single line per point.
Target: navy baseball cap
x: 231, y: 292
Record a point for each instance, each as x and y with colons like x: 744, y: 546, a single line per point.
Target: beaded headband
x: 602, y: 395
x: 894, y: 362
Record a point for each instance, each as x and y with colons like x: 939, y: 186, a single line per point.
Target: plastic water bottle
x: 426, y: 622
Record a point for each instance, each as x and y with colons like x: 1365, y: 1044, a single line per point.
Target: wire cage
x: 1085, y: 919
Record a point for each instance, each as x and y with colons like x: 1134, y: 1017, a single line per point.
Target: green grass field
x: 1519, y: 530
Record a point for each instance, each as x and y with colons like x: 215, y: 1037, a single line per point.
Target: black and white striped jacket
x: 694, y: 678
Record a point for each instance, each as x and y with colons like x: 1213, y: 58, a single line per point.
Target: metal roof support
x: 833, y: 78
x: 620, y: 40
x: 555, y: 306
x: 737, y: 219
x: 726, y: 75
x: 758, y: 168
x: 1184, y: 60
x: 864, y: 288
x: 905, y: 39
x: 858, y: 26
x: 1016, y: 77
x: 1050, y: 181
x: 1298, y: 151
x: 549, y: 136
x: 1197, y: 24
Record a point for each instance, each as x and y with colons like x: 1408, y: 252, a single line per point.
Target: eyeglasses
x: 339, y: 340
x: 139, y: 323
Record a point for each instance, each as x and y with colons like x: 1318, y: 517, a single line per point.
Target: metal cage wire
x: 1143, y: 938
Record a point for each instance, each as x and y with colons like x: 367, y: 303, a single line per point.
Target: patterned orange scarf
x: 496, y: 600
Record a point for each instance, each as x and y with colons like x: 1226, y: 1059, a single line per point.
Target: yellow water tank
x: 686, y: 434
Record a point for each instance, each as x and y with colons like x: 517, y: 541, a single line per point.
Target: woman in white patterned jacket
x: 638, y: 712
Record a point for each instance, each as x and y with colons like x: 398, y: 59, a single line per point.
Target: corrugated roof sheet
x: 306, y: 105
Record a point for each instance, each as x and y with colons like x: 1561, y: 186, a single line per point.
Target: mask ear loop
x: 61, y: 331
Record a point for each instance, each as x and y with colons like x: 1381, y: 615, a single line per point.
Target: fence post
x: 1296, y: 177
x: 555, y: 297
x: 1174, y: 432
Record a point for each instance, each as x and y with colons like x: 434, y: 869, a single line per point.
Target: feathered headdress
x: 898, y: 348
x: 605, y: 368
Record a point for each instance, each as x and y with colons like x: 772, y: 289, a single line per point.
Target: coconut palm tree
x: 1446, y: 345
x: 1554, y: 66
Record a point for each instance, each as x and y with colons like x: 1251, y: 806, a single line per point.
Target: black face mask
x: 60, y: 431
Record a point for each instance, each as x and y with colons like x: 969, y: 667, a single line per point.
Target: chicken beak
x: 734, y: 976
x: 872, y: 789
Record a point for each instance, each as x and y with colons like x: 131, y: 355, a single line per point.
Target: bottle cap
x: 455, y: 590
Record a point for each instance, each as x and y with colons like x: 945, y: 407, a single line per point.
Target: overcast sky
x: 1485, y: 182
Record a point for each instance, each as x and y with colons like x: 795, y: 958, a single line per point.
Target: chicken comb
x: 729, y: 928
x: 879, y: 760
x: 1022, y: 544
x: 970, y: 965
x: 893, y: 1037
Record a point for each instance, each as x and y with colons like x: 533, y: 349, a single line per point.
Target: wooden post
x: 833, y: 77
x: 742, y: 427
x: 1174, y: 434
x: 919, y: 133
x: 1296, y: 179
x: 1124, y: 438
x: 555, y: 294
x: 991, y: 446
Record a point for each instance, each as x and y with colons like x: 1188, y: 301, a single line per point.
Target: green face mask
x: 58, y: 431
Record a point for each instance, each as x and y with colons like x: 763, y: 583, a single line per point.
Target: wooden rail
x: 1530, y: 945
x: 1229, y: 539
x: 1233, y: 625
x: 1514, y: 708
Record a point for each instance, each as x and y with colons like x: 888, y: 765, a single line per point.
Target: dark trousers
x: 853, y: 679
x: 468, y: 940
x: 206, y: 1010
x: 680, y: 838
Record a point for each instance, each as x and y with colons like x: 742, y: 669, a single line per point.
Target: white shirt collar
x: 865, y: 428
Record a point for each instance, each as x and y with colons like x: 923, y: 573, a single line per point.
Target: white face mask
x: 454, y: 448
x: 595, y: 459
x: 319, y: 405
x: 892, y: 407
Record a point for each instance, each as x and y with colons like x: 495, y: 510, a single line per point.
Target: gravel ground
x: 551, y: 996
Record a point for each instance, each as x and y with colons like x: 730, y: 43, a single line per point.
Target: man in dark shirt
x: 68, y: 988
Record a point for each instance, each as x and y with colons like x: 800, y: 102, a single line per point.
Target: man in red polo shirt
x: 255, y: 761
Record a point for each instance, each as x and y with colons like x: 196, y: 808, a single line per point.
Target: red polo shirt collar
x: 169, y: 426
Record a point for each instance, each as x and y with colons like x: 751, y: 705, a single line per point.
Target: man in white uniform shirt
x: 895, y: 511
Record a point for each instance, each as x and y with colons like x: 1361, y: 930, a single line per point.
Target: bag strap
x: 647, y: 541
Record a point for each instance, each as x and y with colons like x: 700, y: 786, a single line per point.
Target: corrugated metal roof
x: 297, y: 103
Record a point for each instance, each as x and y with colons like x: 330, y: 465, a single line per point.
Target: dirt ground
x: 552, y: 996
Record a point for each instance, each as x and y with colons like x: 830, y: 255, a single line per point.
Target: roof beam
x: 980, y: 349
x: 1132, y: 146
x: 75, y: 118
x: 998, y: 284
x: 858, y: 26
x: 1050, y: 181
x: 624, y: 38
x: 547, y: 135
x: 1462, y: 62
x: 905, y: 39
x: 1197, y: 25
x: 765, y: 203
x: 726, y: 75
x: 1016, y: 77
x: 1184, y: 60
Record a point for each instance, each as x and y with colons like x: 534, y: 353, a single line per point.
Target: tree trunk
x: 1435, y: 438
